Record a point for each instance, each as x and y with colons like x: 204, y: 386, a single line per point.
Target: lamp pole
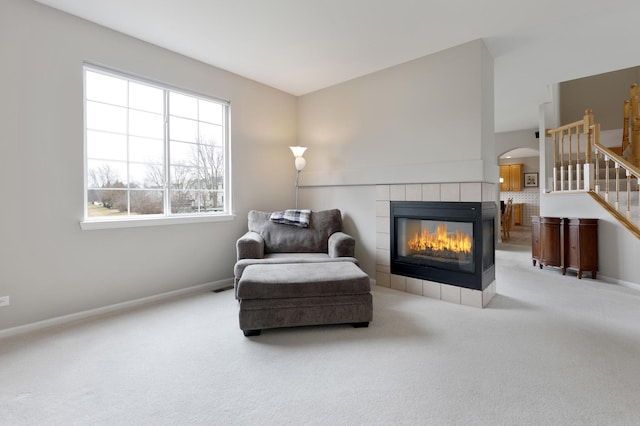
x: 300, y: 162
x: 297, y: 180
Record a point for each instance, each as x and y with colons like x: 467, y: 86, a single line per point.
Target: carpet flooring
x: 519, y: 235
x: 548, y: 350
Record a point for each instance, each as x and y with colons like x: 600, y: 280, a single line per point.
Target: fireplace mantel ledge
x: 441, y: 172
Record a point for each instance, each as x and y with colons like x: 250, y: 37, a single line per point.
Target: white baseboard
x: 216, y: 285
x: 623, y: 283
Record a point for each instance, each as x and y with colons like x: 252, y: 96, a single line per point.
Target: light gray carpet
x: 549, y: 350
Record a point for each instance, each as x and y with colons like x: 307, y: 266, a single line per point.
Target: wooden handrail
x: 584, y: 177
x: 635, y: 170
x: 634, y: 97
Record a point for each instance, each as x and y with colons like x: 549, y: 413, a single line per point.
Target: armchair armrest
x: 250, y: 246
x: 341, y: 245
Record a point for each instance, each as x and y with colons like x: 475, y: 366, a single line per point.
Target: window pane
x: 184, y: 202
x: 146, y: 124
x: 211, y: 201
x: 183, y: 130
x: 106, y: 174
x: 104, y: 88
x: 111, y: 202
x: 106, y: 146
x: 185, y: 154
x: 147, y: 202
x: 183, y: 105
x: 146, y: 98
x: 211, y: 134
x: 146, y: 176
x: 211, y: 167
x: 210, y: 111
x: 211, y: 180
x: 145, y: 150
x: 184, y: 177
x: 155, y: 176
x: 106, y: 117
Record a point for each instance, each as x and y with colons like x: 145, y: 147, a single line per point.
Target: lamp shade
x: 300, y: 163
x: 298, y: 151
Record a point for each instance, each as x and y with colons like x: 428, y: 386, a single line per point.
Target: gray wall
x: 604, y: 94
x: 426, y: 121
x: 48, y: 266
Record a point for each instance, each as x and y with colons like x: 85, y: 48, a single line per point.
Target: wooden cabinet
x: 517, y: 214
x: 565, y: 243
x: 581, y: 248
x: 511, y: 177
x: 546, y: 241
x: 535, y: 239
x: 551, y: 241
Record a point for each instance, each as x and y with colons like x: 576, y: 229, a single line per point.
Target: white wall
x: 507, y: 141
x: 48, y: 266
x: 426, y: 121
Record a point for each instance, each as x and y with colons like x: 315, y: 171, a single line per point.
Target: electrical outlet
x: 4, y: 301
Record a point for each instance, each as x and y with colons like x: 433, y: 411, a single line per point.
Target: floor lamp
x: 300, y: 162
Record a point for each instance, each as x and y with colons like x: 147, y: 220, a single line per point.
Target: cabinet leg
x: 534, y: 262
x: 579, y: 274
x: 564, y: 271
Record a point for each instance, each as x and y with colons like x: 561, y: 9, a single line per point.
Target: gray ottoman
x: 298, y: 294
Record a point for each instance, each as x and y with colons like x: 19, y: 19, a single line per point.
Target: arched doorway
x: 519, y: 173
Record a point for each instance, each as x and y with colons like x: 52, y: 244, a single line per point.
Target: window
x: 152, y: 151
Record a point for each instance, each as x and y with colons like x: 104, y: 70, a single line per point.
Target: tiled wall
x: 530, y: 200
x: 470, y: 192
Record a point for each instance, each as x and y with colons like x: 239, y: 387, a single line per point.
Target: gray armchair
x: 267, y: 242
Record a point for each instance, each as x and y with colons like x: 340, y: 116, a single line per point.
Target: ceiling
x: 300, y: 46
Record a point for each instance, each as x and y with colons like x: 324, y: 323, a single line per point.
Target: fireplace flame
x: 458, y: 242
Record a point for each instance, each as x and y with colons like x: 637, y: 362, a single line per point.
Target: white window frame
x: 166, y: 218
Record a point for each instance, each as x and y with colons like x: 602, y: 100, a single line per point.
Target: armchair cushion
x: 286, y: 259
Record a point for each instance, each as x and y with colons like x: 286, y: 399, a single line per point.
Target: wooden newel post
x: 555, y: 160
x: 635, y: 124
x: 588, y: 128
x: 588, y: 122
x: 625, y: 128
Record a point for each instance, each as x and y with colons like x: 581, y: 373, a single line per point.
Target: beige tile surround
x: 470, y: 192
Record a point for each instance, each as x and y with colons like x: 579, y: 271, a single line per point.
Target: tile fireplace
x: 462, y: 286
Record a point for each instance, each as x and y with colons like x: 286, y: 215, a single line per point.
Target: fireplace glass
x: 440, y: 243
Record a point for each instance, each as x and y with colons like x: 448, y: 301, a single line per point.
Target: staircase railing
x: 582, y: 164
x: 572, y: 159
